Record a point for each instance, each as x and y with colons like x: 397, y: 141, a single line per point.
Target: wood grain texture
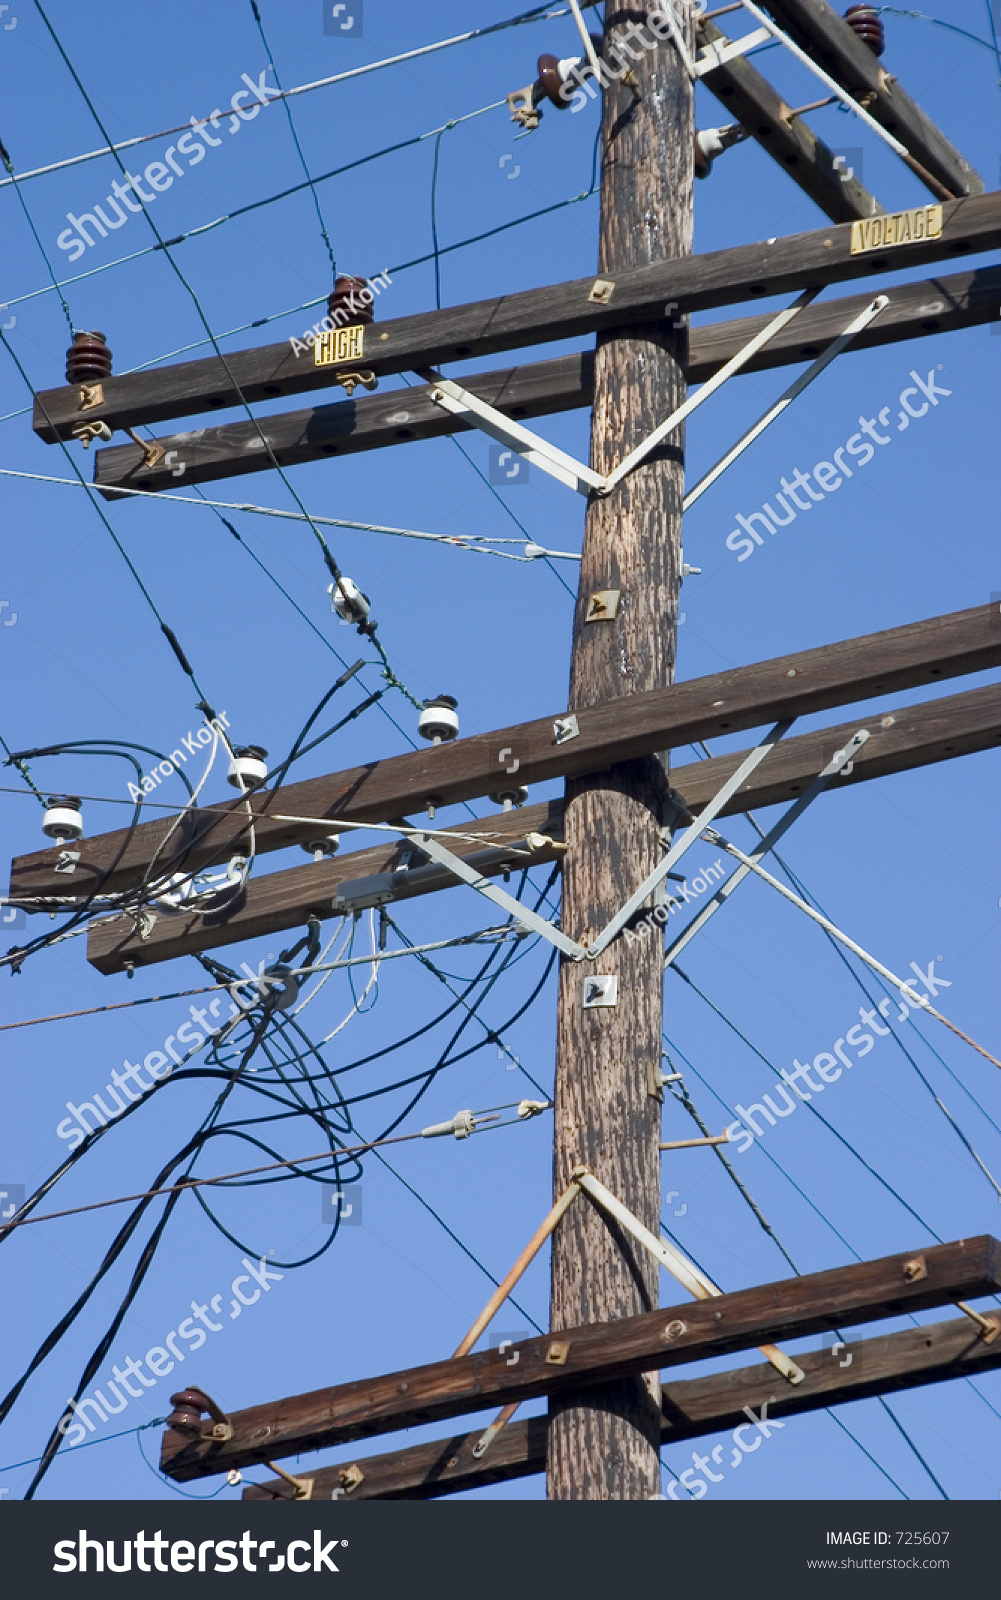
x: 541, y: 388
x: 821, y: 30
x: 791, y: 1308
x: 937, y: 1352
x: 761, y: 110
x: 918, y: 653
x: 603, y: 1444
x: 900, y: 740
x: 532, y: 316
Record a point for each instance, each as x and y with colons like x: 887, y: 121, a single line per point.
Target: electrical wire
x: 538, y: 13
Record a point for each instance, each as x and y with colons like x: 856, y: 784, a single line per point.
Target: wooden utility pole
x: 603, y: 1443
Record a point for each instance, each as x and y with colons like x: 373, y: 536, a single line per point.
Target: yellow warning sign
x: 898, y: 227
x: 338, y: 345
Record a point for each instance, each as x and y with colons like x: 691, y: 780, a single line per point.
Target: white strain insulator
x: 532, y: 1108
x: 461, y: 1125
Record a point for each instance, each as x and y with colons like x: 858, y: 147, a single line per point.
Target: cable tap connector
x: 462, y: 1125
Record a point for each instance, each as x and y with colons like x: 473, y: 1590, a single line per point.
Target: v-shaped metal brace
x: 452, y: 397
x: 485, y: 886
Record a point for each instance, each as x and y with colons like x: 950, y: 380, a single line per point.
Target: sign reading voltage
x: 346, y: 344
x: 898, y: 227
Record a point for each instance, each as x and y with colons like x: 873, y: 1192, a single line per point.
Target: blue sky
x: 908, y: 865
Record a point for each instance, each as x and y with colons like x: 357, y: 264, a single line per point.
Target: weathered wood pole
x: 603, y: 1443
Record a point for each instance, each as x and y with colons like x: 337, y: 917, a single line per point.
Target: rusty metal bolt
x: 674, y: 1330
x: 866, y: 22
x: 915, y: 1269
x: 88, y: 359
x: 351, y: 302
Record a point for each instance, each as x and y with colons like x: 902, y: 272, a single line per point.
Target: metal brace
x: 687, y: 1274
x: 723, y: 893
x: 303, y: 1486
x: 989, y: 1327
x: 456, y: 400
x: 716, y: 52
x: 153, y: 453
x: 514, y: 907
x: 676, y: 851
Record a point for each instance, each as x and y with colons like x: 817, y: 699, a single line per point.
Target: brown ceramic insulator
x: 549, y: 81
x: 88, y: 359
x: 352, y: 298
x: 868, y: 24
x: 188, y: 1406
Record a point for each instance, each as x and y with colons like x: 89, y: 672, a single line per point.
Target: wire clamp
x: 86, y: 431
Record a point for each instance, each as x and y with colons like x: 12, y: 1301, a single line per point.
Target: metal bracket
x: 565, y: 729
x: 521, y: 104
x: 303, y: 1486
x: 676, y: 851
x: 601, y: 989
x: 556, y: 1355
x: 351, y: 380
x: 514, y: 907
x: 452, y: 397
x: 736, y: 362
x: 153, y: 453
x: 793, y: 392
x: 989, y: 1327
x: 723, y: 893
x: 602, y: 606
x: 458, y: 402
x: 86, y: 431
x: 714, y: 54
x: 678, y: 1265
